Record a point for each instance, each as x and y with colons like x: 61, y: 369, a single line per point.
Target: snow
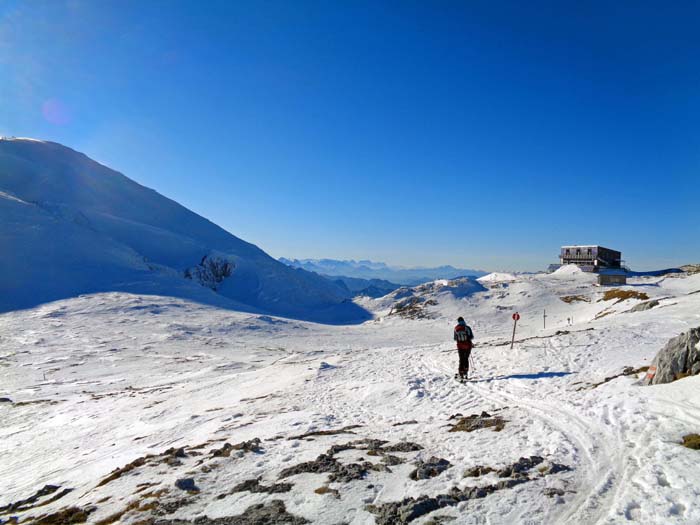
x: 114, y: 376
x: 497, y: 277
x: 567, y: 269
x: 71, y: 225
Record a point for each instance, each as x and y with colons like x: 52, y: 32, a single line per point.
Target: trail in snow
x: 99, y: 381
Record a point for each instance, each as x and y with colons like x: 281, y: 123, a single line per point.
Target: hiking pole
x: 471, y: 363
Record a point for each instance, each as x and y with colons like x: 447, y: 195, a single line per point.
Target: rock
x: 679, y: 358
x: 5, y: 400
x: 550, y: 492
x: 392, y: 460
x: 31, y: 501
x: 270, y: 513
x: 477, y: 422
x: 186, y: 484
x: 245, y: 446
x: 692, y: 441
x: 646, y: 305
x: 254, y: 485
x: 429, y: 469
x: 65, y: 516
x: 477, y: 471
x: 409, y: 509
x: 555, y: 468
x: 520, y: 466
x: 404, y: 446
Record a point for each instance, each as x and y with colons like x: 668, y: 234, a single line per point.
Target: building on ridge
x: 590, y: 258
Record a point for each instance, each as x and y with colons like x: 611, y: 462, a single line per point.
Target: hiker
x: 463, y: 335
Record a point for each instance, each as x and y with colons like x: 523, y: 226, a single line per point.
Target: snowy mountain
x: 366, y: 269
x: 71, y: 225
x: 128, y: 408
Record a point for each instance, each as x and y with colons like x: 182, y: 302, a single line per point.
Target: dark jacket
x: 463, y: 345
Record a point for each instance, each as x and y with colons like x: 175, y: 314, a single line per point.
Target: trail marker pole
x: 516, y: 317
x: 544, y: 319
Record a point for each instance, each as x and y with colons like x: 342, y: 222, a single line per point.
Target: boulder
x: 679, y: 358
x: 646, y: 305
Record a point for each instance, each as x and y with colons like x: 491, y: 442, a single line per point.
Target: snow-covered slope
x: 71, y: 225
x: 112, y: 398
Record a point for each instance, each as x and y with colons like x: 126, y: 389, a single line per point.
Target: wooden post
x: 516, y: 316
x: 544, y: 319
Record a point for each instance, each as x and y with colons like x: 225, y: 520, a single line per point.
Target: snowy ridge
x: 71, y: 225
x: 151, y: 374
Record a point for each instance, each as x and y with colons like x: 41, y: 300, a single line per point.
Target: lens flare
x: 55, y: 112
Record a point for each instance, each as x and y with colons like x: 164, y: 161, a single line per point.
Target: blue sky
x: 479, y: 134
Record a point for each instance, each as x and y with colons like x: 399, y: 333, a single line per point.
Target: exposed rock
x: 327, y: 490
x: 5, y: 400
x: 322, y: 464
x: 679, y: 358
x: 254, y: 485
x: 409, y: 509
x: 627, y: 371
x: 392, y: 460
x: 477, y: 471
x: 520, y: 466
x: 410, y: 422
x: 117, y: 473
x: 550, y: 492
x: 404, y: 446
x: 270, y: 513
x: 367, y: 444
x: 27, y: 503
x: 326, y: 463
x: 210, y: 272
x: 344, y: 430
x: 412, y: 308
x: 646, y: 305
x: 692, y: 441
x: 569, y: 299
x: 186, y: 484
x: 430, y: 468
x: 555, y: 468
x: 65, y: 516
x: 245, y: 446
x: 479, y: 421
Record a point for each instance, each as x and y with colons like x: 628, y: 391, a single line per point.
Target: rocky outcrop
x: 430, y: 468
x: 679, y: 358
x: 210, y: 272
x: 646, y: 305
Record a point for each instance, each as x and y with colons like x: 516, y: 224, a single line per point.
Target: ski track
x: 183, y: 374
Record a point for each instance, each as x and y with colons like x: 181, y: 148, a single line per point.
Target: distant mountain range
x: 366, y: 269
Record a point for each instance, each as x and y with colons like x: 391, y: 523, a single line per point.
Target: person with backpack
x: 463, y: 335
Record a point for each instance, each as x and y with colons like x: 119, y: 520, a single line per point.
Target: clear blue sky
x: 480, y: 134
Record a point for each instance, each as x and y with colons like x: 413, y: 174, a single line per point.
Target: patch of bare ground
x: 153, y: 459
x: 569, y: 299
x: 345, y: 430
x: 623, y: 295
x: 627, y: 371
x: 65, y: 516
x: 409, y: 509
x: 691, y: 441
x: 477, y: 422
x: 33, y: 501
x: 271, y: 512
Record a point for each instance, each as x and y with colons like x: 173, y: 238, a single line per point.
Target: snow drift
x: 71, y: 225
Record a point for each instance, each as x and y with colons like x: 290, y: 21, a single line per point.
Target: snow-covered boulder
x: 679, y: 358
